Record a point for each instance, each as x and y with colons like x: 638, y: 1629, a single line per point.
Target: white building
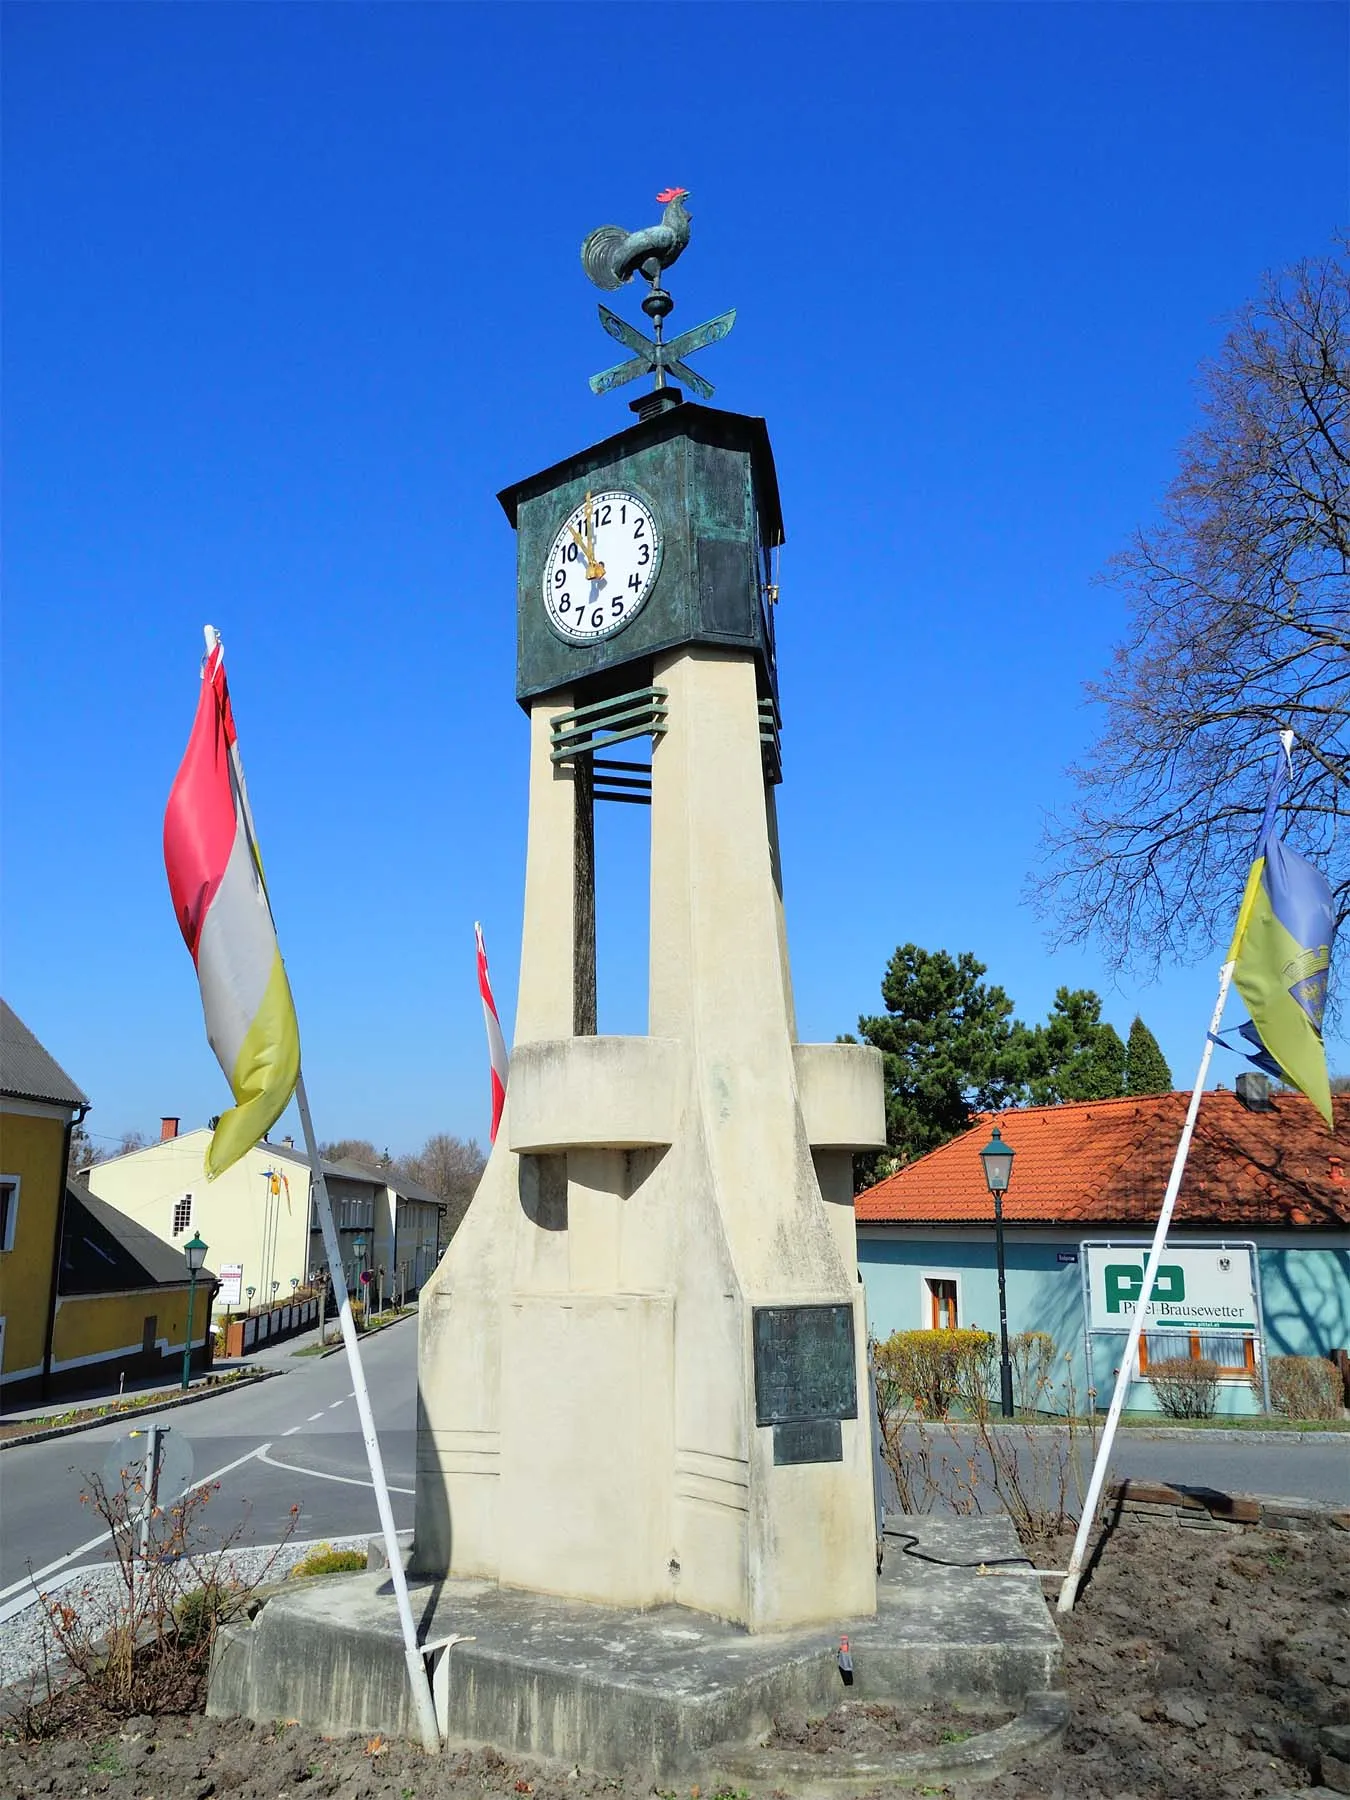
x: 258, y: 1219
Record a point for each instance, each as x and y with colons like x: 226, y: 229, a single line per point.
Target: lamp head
x: 195, y: 1252
x: 997, y: 1158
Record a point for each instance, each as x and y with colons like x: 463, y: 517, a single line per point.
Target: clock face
x: 601, y: 566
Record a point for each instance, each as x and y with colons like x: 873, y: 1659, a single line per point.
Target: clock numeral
x: 616, y: 607
x: 570, y: 552
x: 646, y: 555
x: 640, y: 529
x: 608, y: 513
x: 623, y: 515
x: 598, y: 617
x: 564, y: 605
x: 635, y: 582
x: 560, y: 578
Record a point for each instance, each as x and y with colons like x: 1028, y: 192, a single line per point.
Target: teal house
x: 1258, y: 1261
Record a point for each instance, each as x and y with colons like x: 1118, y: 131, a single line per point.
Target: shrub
x: 1032, y: 1355
x: 1186, y: 1387
x: 201, y: 1609
x: 935, y: 1369
x: 1304, y: 1387
x: 328, y: 1561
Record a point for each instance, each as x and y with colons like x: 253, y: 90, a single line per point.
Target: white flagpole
x: 423, y: 1704
x: 1068, y: 1592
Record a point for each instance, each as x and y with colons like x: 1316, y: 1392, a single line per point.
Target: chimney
x: 288, y: 1143
x: 168, y: 1128
x: 1253, y: 1091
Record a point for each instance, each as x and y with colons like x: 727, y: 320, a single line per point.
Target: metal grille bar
x: 771, y: 746
x: 592, y: 728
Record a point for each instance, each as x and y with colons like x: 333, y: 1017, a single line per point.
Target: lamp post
x: 360, y: 1249
x: 195, y: 1253
x: 997, y: 1158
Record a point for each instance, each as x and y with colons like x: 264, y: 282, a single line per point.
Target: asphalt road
x: 295, y: 1441
x: 292, y: 1441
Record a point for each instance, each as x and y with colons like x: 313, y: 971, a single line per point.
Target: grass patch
x: 127, y: 1403
x: 325, y: 1560
x: 1242, y: 1422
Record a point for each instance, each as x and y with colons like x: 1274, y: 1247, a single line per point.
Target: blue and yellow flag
x: 1282, y: 951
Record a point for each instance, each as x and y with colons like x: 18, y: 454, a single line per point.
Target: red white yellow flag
x: 497, y: 1057
x: 220, y: 899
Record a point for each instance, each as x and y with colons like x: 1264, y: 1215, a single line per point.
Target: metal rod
x: 423, y: 1705
x: 187, y: 1347
x: 1004, y: 1364
x: 1068, y: 1593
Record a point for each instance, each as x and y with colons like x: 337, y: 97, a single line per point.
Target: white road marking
x: 310, y: 1420
x: 292, y: 1431
x: 335, y: 1405
x: 323, y: 1475
x: 37, y: 1575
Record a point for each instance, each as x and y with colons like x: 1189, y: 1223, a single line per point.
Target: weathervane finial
x: 611, y: 257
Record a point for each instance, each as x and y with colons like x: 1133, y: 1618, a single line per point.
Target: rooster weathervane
x: 611, y: 257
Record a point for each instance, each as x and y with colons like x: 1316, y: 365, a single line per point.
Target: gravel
x: 26, y: 1644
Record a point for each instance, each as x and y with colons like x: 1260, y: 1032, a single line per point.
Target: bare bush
x: 1305, y: 1387
x: 979, y: 1464
x: 1185, y: 1387
x: 145, y: 1648
x: 1032, y: 1355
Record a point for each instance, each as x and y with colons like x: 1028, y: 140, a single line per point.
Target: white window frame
x: 176, y: 1230
x: 12, y: 1219
x: 926, y: 1296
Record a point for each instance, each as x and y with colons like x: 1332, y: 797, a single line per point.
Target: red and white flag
x: 220, y: 899
x: 497, y: 1057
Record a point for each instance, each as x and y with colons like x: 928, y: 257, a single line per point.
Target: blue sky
x: 292, y: 291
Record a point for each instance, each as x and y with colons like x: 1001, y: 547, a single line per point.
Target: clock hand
x: 595, y: 571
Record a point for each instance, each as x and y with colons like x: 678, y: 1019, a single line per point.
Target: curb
x: 1168, y: 1434
x: 374, y: 1331
x: 136, y: 1412
x: 1038, y: 1728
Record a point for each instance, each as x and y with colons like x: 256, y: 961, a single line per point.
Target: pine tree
x: 1075, y: 1055
x: 1146, y: 1070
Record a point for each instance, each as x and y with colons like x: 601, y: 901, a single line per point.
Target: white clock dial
x: 601, y: 566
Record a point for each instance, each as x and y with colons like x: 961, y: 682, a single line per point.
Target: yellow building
x: 86, y: 1295
x: 39, y: 1107
x: 258, y: 1220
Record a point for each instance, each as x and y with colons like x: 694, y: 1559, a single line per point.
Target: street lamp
x: 997, y: 1158
x: 195, y: 1253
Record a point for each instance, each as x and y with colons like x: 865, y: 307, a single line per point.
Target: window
x: 940, y: 1293
x: 9, y: 1209
x: 1234, y: 1352
x: 182, y: 1215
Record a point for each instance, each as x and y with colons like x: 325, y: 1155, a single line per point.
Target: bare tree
x: 450, y: 1167
x: 357, y: 1150
x: 1240, y: 626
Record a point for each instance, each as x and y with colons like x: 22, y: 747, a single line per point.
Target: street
x: 295, y: 1441
x: 292, y: 1440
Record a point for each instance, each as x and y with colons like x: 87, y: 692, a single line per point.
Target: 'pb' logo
x: 1125, y: 1283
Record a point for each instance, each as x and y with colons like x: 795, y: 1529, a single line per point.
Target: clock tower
x: 642, y: 1360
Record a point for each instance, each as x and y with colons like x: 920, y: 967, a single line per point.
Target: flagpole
x: 423, y: 1705
x: 1068, y: 1592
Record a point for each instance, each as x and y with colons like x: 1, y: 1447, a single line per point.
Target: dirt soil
x: 1199, y: 1665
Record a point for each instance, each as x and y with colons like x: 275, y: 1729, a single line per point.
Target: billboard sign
x: 1209, y: 1287
x: 231, y: 1288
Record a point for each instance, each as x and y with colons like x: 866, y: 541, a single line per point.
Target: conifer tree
x: 1146, y: 1070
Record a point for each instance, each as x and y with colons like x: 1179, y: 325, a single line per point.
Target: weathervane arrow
x: 656, y: 358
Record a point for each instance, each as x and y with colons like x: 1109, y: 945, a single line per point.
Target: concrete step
x: 655, y: 1691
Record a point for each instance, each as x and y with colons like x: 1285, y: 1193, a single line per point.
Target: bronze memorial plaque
x: 804, y: 1365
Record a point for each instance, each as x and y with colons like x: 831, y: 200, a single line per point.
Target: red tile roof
x: 1108, y: 1161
